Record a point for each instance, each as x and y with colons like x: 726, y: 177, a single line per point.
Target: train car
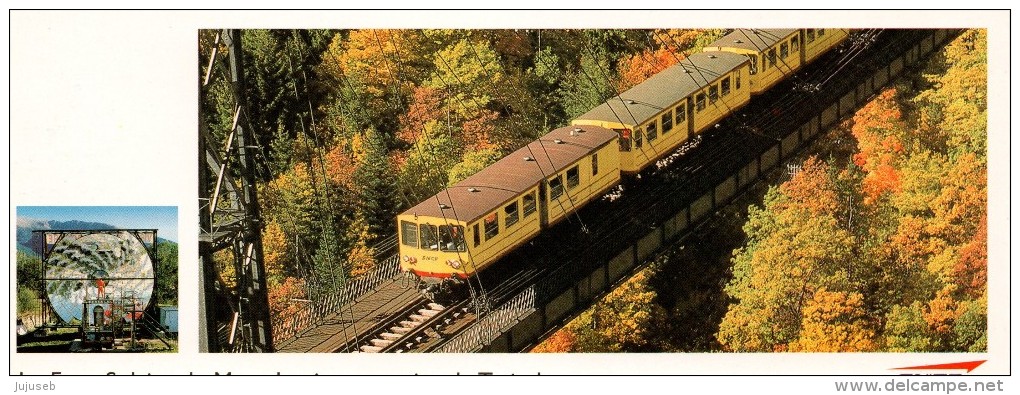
x: 656, y: 116
x: 819, y: 41
x: 773, y: 53
x: 452, y: 235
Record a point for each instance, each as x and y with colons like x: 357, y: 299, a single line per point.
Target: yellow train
x: 449, y: 237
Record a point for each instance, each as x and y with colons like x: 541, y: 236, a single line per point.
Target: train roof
x: 751, y: 39
x: 662, y: 90
x: 511, y: 176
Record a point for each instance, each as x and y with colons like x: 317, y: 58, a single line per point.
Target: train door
x: 543, y: 204
x: 690, y: 116
x: 803, y: 46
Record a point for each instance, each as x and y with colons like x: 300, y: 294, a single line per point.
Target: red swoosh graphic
x: 955, y: 365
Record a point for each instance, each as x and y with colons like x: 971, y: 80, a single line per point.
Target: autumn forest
x: 878, y: 243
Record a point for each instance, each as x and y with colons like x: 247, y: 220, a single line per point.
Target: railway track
x: 422, y: 326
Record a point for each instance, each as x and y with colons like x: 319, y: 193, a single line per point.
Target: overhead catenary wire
x: 705, y: 80
x: 636, y: 132
x: 479, y: 303
x: 325, y: 199
x: 570, y: 199
x: 789, y: 99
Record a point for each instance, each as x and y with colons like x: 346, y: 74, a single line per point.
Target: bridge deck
x: 338, y: 328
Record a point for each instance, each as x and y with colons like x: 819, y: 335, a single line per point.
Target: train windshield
x: 451, y: 238
x: 429, y: 238
x: 409, y: 234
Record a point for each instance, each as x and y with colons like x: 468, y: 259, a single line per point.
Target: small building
x: 168, y: 318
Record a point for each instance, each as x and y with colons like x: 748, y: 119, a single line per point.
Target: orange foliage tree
x: 971, y: 271
x: 561, y: 341
x: 878, y: 127
x: 669, y: 47
x: 286, y: 300
x: 426, y: 105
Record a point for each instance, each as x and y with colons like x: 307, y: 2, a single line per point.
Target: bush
x: 28, y: 301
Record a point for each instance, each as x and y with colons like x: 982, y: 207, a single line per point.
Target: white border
x: 98, y: 93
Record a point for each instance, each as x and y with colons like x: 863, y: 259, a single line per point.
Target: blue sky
x: 162, y: 218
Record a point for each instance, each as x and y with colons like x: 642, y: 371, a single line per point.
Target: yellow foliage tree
x: 835, y: 322
x: 276, y: 252
x: 622, y: 321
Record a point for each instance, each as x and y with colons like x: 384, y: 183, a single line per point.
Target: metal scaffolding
x: 232, y: 320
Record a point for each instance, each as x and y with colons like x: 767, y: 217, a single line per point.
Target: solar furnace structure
x: 86, y: 265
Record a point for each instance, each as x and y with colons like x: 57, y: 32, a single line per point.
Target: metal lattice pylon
x: 229, y: 218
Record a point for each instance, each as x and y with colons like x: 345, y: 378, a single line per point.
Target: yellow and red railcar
x: 656, y: 116
x: 462, y: 229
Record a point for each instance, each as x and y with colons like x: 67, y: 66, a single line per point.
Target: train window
x: 821, y: 32
x: 429, y: 237
x: 451, y: 238
x: 652, y: 132
x: 478, y: 236
x: 772, y: 57
x: 699, y: 102
x: 595, y: 164
x: 637, y: 138
x: 713, y: 93
x: 491, y: 226
x: 667, y: 121
x: 795, y: 44
x: 624, y: 139
x: 555, y: 188
x: 529, y: 204
x: 784, y: 50
x: 737, y: 78
x: 681, y: 113
x: 573, y: 177
x: 511, y: 215
x: 725, y: 86
x: 409, y: 234
x: 754, y: 64
x: 810, y: 35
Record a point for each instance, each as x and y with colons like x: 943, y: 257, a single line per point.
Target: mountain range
x: 26, y: 240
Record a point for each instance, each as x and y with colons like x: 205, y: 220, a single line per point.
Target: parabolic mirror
x: 80, y: 265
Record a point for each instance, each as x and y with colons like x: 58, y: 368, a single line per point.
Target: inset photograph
x: 670, y: 190
x: 97, y: 279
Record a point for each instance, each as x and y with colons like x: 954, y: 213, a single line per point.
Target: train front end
x: 433, y: 252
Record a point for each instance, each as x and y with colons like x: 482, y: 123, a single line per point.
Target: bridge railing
x: 386, y: 270
x: 493, y: 324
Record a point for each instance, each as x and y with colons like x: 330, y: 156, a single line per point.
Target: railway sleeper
x: 372, y: 349
x: 409, y: 324
x: 436, y: 306
x: 428, y: 313
x: 400, y: 330
x: 390, y: 336
x: 418, y: 318
x: 381, y: 342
